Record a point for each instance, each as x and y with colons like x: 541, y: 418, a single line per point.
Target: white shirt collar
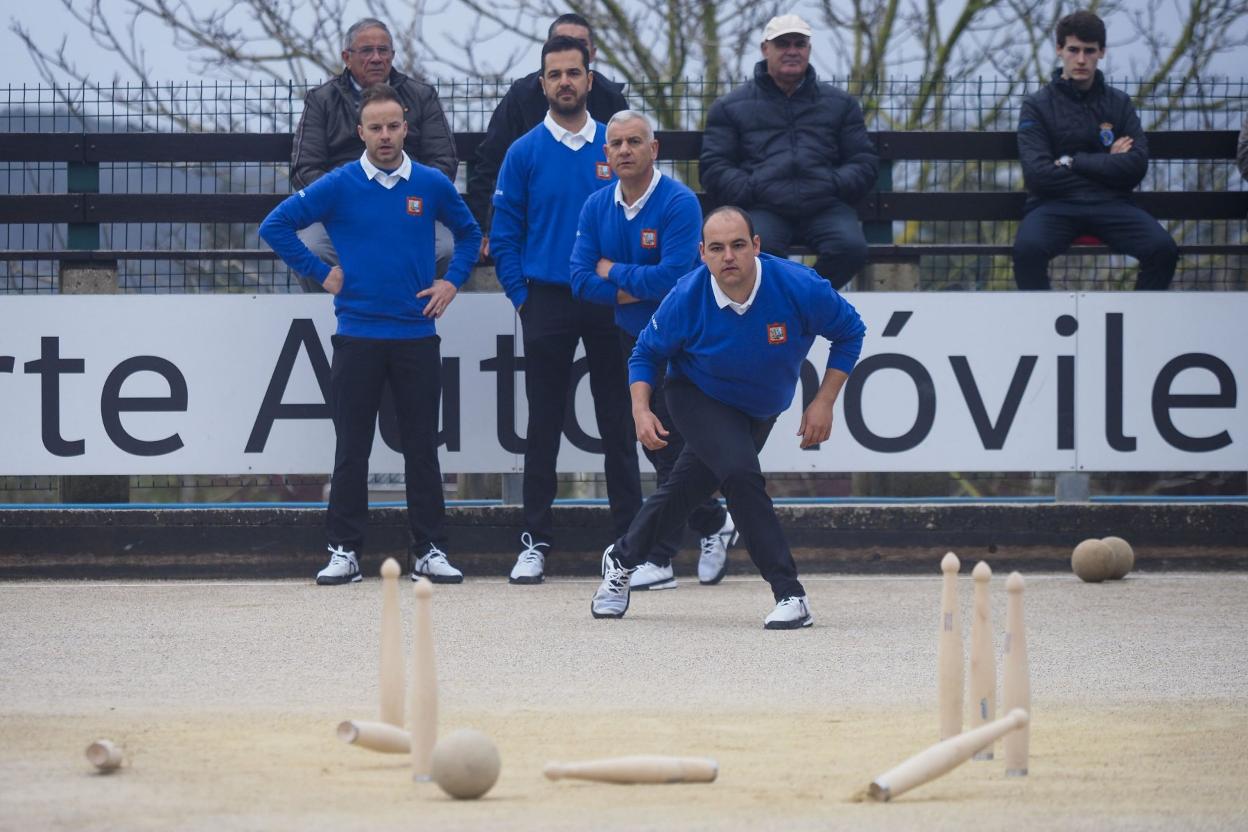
x: 387, y: 180
x: 574, y: 139
x: 722, y: 300
x: 631, y: 211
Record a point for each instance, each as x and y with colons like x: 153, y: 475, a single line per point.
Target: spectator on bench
x: 795, y: 153
x: 326, y: 137
x: 1083, y: 152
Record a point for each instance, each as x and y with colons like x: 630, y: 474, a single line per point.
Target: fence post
x: 89, y: 277
x: 886, y: 275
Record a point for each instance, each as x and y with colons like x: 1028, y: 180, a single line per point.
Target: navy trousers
x: 413, y: 370
x: 721, y: 452
x: 1048, y: 229
x: 554, y: 321
x: 834, y: 233
x: 707, y: 517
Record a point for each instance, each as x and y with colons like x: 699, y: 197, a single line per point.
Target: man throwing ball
x: 733, y: 334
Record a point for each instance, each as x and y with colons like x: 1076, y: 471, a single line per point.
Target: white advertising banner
x: 221, y: 384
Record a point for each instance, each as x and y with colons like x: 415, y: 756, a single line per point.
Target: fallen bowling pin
x: 375, y: 736
x: 104, y: 755
x: 942, y: 757
x: 646, y: 768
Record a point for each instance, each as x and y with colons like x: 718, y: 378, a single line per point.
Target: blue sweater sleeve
x: 657, y: 342
x: 508, y: 228
x: 830, y: 315
x: 586, y: 251
x: 454, y: 214
x: 299, y: 210
x: 682, y: 226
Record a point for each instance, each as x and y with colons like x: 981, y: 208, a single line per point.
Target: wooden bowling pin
x: 375, y: 736
x: 1016, y: 682
x: 391, y: 664
x: 422, y: 717
x: 951, y: 668
x: 651, y: 768
x: 943, y: 757
x: 104, y: 755
x: 983, y: 659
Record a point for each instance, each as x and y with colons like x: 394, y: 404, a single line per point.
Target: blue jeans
x: 1048, y: 229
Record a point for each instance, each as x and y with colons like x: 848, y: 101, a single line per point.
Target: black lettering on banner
x: 50, y: 366
x: 506, y: 364
x: 449, y: 430
x: 924, y: 418
x: 1113, y: 385
x: 571, y: 427
x: 810, y: 386
x: 1066, y: 325
x: 6, y: 363
x: 112, y: 404
x: 301, y: 335
x: 993, y: 436
x: 1164, y: 401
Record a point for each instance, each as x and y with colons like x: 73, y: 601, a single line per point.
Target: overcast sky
x: 49, y: 22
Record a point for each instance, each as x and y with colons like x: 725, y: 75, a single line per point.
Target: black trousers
x: 1048, y: 229
x: 360, y: 368
x: 721, y: 451
x: 708, y: 516
x: 833, y: 232
x: 554, y: 321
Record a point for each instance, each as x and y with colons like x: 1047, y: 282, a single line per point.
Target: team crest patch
x: 1107, y: 134
x: 415, y: 206
x: 649, y: 238
x: 777, y: 333
x: 602, y: 170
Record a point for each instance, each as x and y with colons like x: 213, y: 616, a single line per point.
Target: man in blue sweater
x: 546, y: 176
x: 734, y: 334
x: 633, y: 242
x: 380, y: 215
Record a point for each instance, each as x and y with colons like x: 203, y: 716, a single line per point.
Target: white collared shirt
x: 573, y: 139
x: 631, y: 211
x: 386, y: 179
x: 722, y: 300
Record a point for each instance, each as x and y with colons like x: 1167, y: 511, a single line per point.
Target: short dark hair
x: 572, y: 19
x: 729, y: 209
x: 373, y: 94
x: 1082, y: 24
x: 563, y: 43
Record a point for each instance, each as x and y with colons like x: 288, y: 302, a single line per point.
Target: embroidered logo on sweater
x: 1107, y: 134
x: 649, y: 238
x: 415, y: 206
x: 777, y: 333
x: 602, y: 170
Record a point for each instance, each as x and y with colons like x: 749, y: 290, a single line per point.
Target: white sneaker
x: 611, y: 599
x: 531, y: 563
x: 434, y: 566
x: 653, y: 576
x: 790, y: 614
x: 343, y: 568
x: 713, y: 562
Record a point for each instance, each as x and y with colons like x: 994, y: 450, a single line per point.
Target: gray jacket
x: 327, y: 139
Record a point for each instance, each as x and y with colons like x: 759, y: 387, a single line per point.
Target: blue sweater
x: 650, y: 252
x: 541, y: 189
x: 385, y: 243
x: 751, y: 362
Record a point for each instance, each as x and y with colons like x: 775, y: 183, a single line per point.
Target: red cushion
x: 1087, y: 240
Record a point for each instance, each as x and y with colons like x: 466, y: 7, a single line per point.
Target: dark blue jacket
x: 788, y: 154
x: 1061, y: 120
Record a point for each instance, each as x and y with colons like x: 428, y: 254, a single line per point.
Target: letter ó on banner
x: 924, y: 418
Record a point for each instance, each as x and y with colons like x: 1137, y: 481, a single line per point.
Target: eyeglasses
x: 791, y: 43
x: 369, y: 51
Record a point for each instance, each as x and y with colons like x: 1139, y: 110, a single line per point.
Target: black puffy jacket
x: 1062, y: 120
x: 326, y: 137
x: 788, y: 154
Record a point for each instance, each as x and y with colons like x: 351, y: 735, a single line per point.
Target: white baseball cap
x: 786, y: 24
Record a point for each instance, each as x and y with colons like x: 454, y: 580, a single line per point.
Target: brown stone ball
x: 1092, y: 560
x: 1124, y: 557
